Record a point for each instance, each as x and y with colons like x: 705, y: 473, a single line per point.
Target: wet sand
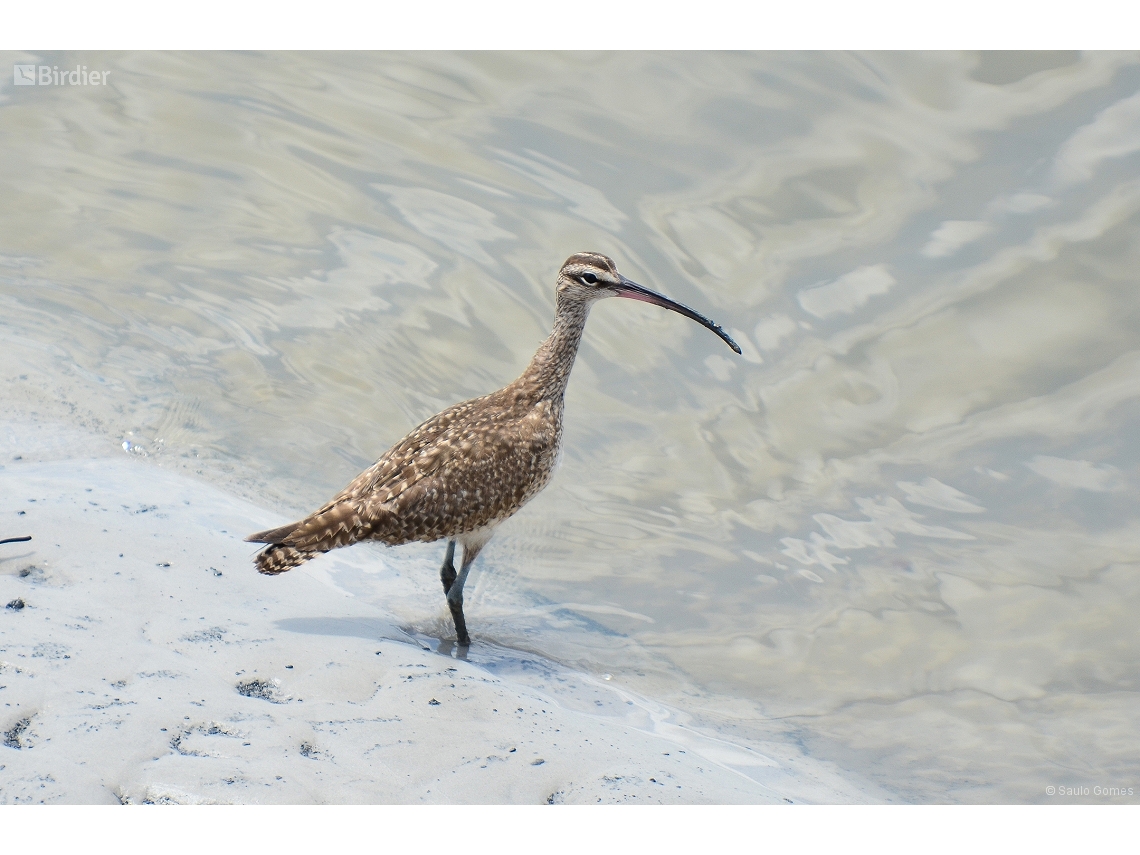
x: 142, y: 660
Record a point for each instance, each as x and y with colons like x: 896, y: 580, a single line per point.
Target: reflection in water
x: 899, y: 529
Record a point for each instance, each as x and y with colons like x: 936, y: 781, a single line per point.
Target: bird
x: 464, y: 471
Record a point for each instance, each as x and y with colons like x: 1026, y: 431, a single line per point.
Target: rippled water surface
x: 900, y: 530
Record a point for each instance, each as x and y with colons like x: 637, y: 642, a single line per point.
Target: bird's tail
x: 280, y: 555
x: 293, y: 544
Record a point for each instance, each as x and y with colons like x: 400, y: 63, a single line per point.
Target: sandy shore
x: 143, y: 660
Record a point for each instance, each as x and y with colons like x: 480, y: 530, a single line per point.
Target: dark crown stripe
x: 590, y: 259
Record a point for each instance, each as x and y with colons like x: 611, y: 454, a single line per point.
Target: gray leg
x: 447, y: 571
x: 455, y: 595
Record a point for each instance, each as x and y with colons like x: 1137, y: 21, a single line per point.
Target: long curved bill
x: 633, y: 291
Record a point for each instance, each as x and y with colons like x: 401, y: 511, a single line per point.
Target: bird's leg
x: 455, y: 595
x: 447, y: 571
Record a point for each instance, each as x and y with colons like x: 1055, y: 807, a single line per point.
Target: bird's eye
x: 589, y: 278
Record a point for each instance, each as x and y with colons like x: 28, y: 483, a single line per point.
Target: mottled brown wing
x: 471, y: 466
x: 357, y: 510
x: 414, y: 457
x: 482, y: 469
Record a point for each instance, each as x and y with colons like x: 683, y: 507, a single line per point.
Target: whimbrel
x: 464, y: 471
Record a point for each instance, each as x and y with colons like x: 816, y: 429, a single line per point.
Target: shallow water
x: 899, y: 530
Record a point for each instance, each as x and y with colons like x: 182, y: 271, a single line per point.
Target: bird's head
x: 589, y: 276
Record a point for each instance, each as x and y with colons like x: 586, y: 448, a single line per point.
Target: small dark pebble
x: 537, y: 762
x: 433, y: 702
x: 162, y: 564
x: 262, y: 689
x: 12, y: 737
x: 16, y: 604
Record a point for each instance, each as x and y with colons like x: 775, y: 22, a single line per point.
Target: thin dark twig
x: 16, y: 539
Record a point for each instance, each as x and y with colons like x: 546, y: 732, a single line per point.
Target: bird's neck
x: 549, y: 370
